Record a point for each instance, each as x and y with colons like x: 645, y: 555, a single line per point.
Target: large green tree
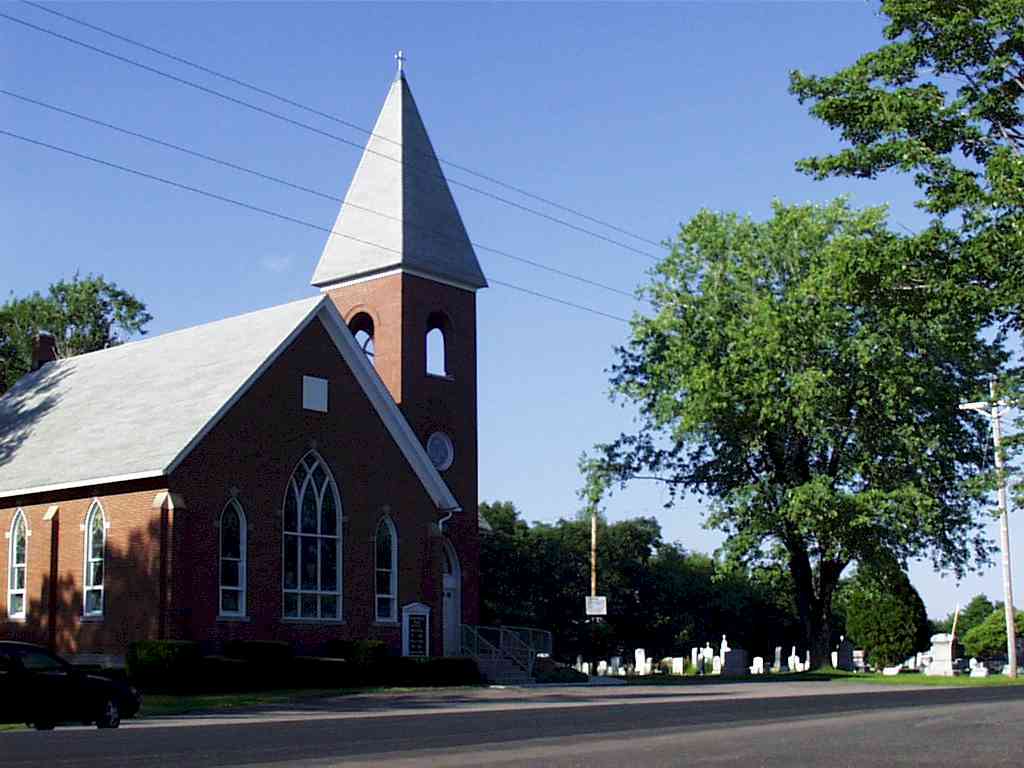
x: 83, y: 315
x: 885, y: 614
x: 660, y: 597
x: 787, y: 375
x: 942, y: 100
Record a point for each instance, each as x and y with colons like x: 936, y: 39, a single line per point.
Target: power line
x: 301, y: 188
x: 272, y: 213
x: 332, y: 117
x: 321, y: 132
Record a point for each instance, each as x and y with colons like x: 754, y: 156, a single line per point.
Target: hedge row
x: 175, y: 666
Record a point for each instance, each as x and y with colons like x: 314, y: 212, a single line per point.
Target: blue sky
x: 638, y: 114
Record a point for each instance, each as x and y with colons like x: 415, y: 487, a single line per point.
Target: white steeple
x: 414, y: 224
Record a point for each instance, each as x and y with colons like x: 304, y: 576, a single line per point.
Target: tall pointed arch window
x: 17, y: 568
x: 232, y: 560
x: 386, y: 575
x: 95, y: 559
x: 312, y: 543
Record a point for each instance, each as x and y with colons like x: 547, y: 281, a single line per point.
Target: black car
x: 41, y: 689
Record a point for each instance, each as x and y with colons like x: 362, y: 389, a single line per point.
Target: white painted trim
x: 149, y: 473
x: 243, y: 541
x: 253, y: 378
x: 94, y: 507
x: 387, y: 409
x: 408, y: 611
x: 391, y: 618
x: 11, y: 565
x: 363, y: 278
x: 366, y: 277
x: 338, y: 540
x: 51, y: 513
x: 172, y: 502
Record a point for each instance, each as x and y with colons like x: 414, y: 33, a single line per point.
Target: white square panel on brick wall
x: 314, y: 394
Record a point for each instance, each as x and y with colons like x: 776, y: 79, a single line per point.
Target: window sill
x: 17, y: 619
x: 92, y: 619
x: 234, y: 619
x: 387, y: 623
x: 295, y: 620
x: 441, y: 376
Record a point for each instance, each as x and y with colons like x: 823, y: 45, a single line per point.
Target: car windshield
x: 38, y: 661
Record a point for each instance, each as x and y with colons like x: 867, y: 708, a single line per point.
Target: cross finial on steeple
x: 400, y: 58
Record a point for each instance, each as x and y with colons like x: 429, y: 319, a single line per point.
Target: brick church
x: 301, y: 473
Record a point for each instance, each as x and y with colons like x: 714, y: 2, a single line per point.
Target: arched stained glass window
x: 17, y: 560
x: 312, y: 543
x: 95, y: 557
x: 232, y: 560
x: 386, y: 580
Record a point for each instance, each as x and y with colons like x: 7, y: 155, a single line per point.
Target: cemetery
x: 943, y: 659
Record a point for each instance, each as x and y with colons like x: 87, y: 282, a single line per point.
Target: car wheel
x: 110, y: 715
x: 43, y: 726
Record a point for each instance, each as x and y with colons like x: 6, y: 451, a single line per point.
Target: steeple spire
x: 399, y: 213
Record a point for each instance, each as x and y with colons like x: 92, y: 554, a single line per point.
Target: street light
x: 992, y: 410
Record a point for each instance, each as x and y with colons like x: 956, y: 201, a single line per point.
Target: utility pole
x: 992, y: 409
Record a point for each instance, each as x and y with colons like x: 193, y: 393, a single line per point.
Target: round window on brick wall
x: 440, y: 450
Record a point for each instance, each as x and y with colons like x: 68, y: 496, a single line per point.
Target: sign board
x: 597, y: 606
x: 417, y: 635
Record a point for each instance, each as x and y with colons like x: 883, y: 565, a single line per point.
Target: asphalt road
x: 816, y: 724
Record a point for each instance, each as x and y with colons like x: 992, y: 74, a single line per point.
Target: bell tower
x: 402, y: 271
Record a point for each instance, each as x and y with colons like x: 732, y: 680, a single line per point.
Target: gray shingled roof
x: 129, y: 411
x: 417, y: 226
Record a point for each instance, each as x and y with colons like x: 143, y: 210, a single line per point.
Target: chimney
x: 44, y: 350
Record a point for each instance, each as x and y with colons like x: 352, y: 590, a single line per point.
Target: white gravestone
x: 716, y: 665
x: 942, y: 656
x: 694, y: 653
x: 724, y: 647
x: 777, y: 666
x: 794, y: 661
x: 892, y: 671
x: 641, y: 661
x: 614, y: 665
x: 757, y: 668
x: 858, y: 661
x: 585, y: 668
x: 678, y: 664
x: 602, y: 668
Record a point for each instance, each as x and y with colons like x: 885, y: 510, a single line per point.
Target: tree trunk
x: 814, y: 607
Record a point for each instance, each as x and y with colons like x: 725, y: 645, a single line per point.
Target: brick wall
x: 252, y: 452
x: 55, y: 566
x: 401, y: 306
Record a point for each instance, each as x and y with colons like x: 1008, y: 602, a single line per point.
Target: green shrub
x: 163, y: 664
x: 259, y: 651
x: 452, y: 670
x: 324, y: 672
x: 361, y: 652
x: 988, y: 639
x: 885, y: 615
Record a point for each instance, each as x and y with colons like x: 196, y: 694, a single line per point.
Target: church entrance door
x: 451, y: 613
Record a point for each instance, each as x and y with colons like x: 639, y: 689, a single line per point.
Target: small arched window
x: 16, y: 577
x: 232, y: 560
x: 361, y: 327
x: 95, y: 557
x: 312, y: 543
x: 438, y: 339
x: 386, y: 560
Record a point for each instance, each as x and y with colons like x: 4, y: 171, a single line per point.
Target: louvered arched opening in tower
x: 439, y: 341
